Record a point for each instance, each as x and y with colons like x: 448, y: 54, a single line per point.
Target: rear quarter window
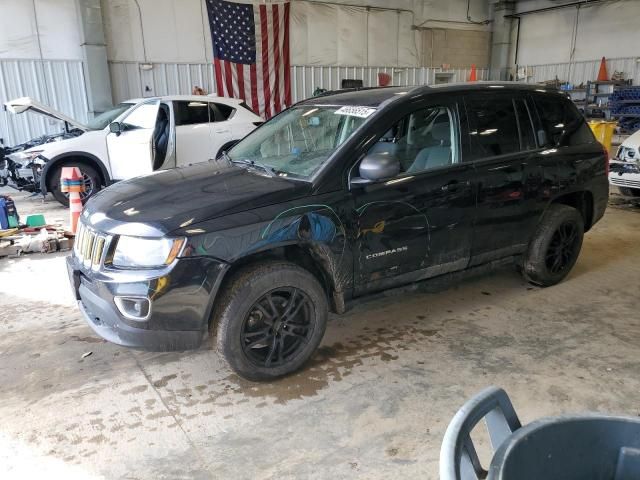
x: 224, y: 112
x: 563, y: 123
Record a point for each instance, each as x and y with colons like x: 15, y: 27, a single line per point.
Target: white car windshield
x: 101, y: 121
x: 298, y: 141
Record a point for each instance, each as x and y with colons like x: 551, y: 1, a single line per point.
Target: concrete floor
x: 374, y: 402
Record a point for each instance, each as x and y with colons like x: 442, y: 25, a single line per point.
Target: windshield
x: 105, y: 118
x: 298, y: 141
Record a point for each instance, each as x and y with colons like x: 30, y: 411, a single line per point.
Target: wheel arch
x: 313, y: 258
x: 78, y: 157
x: 580, y: 200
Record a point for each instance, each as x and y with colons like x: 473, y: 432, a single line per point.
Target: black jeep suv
x: 336, y: 197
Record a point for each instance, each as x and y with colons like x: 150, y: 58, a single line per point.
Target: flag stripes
x: 251, y: 53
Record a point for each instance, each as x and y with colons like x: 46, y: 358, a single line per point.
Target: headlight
x: 146, y: 252
x: 30, y: 155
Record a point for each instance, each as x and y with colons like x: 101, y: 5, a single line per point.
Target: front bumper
x: 181, y: 301
x: 625, y: 174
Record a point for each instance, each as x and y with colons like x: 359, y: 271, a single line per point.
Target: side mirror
x: 116, y: 127
x: 377, y: 167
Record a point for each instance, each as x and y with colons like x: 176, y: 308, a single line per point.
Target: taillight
x: 606, y: 159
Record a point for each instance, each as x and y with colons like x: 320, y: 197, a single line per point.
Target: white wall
x: 178, y: 31
x: 174, y: 30
x: 57, y: 24
x: 610, y: 29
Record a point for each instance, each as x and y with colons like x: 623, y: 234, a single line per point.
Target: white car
x: 134, y: 138
x: 625, y: 168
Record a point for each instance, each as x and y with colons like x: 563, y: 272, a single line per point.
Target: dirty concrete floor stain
x: 373, y: 403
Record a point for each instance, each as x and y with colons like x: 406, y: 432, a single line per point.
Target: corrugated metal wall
x: 581, y: 72
x: 129, y: 80
x: 59, y: 83
x: 132, y: 80
x: 305, y: 78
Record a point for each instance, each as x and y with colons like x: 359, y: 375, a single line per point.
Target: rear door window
x: 562, y: 123
x: 192, y: 113
x: 493, y: 125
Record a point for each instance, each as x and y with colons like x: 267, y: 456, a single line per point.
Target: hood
x: 166, y: 200
x: 28, y: 104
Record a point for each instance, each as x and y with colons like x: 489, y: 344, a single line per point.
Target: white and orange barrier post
x: 71, y: 181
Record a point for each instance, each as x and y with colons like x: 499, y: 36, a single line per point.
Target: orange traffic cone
x: 603, y: 76
x: 473, y: 76
x: 71, y: 182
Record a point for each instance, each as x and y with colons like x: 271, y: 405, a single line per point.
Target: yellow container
x: 603, y: 132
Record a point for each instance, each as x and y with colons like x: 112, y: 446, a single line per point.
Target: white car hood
x: 53, y: 149
x: 28, y: 104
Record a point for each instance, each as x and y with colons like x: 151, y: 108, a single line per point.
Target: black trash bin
x: 587, y: 447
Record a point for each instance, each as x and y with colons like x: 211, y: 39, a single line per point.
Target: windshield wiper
x: 252, y: 163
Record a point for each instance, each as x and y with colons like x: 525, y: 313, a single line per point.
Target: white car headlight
x: 29, y: 155
x: 146, y: 252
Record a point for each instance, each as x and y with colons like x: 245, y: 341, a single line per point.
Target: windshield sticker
x: 362, y: 112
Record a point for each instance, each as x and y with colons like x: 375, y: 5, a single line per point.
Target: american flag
x: 251, y: 53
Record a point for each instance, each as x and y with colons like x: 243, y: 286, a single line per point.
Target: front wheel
x: 272, y: 317
x: 555, y: 246
x: 90, y: 177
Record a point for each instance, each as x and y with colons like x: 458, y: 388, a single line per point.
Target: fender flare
x: 55, y: 161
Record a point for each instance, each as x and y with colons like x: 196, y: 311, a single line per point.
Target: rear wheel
x: 272, y: 317
x: 555, y: 246
x: 91, y: 179
x: 630, y: 192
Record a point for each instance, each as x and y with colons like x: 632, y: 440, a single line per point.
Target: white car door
x: 221, y: 128
x: 194, y: 138
x: 131, y: 150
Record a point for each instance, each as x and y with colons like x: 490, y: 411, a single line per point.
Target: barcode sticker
x: 362, y: 112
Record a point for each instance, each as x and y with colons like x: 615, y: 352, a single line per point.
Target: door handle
x: 222, y: 131
x: 454, y: 186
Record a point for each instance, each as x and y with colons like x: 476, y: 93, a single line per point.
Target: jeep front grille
x: 90, y: 246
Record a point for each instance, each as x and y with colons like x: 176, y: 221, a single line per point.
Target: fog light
x: 134, y: 308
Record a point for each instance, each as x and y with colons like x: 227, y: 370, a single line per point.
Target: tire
x: 258, y: 346
x: 554, y: 247
x: 93, y: 182
x: 629, y: 192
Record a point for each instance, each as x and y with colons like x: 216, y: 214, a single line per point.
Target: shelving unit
x: 625, y: 107
x: 597, y: 98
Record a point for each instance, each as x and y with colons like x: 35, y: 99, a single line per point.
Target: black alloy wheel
x: 271, y: 317
x: 554, y: 246
x: 562, y: 248
x: 277, y: 327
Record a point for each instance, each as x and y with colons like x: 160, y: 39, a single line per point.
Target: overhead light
x: 146, y: 66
